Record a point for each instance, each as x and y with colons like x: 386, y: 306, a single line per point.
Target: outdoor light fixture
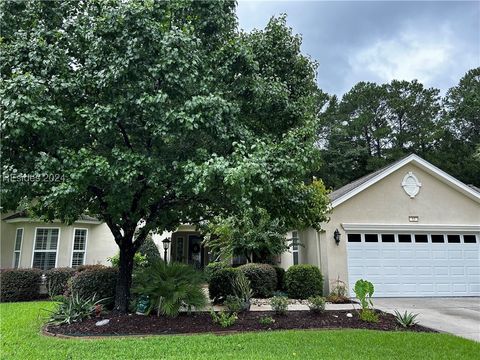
x: 336, y: 236
x: 166, y: 243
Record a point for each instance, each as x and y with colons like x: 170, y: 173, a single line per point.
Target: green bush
x: 82, y: 268
x: 224, y: 319
x: 99, y: 281
x: 303, y: 281
x: 263, y: 279
x: 139, y: 260
x: 316, y: 304
x: 280, y: 278
x: 221, y: 284
x: 57, y: 280
x: 20, y: 284
x: 279, y: 304
x: 266, y: 320
x: 212, y: 268
x: 149, y: 250
x: 170, y: 286
x: 369, y: 315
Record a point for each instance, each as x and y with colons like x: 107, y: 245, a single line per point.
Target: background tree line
x: 373, y: 125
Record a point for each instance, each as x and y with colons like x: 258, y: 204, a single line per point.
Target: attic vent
x: 411, y: 185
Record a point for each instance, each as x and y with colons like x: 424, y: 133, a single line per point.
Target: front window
x: 45, y: 248
x: 17, y: 248
x: 79, y: 247
x: 295, y: 242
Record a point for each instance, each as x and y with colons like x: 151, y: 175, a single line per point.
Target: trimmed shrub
x: 212, y: 268
x: 20, y: 284
x: 100, y: 281
x: 89, y: 267
x: 263, y: 279
x: 57, y: 280
x: 303, y: 281
x: 149, y: 250
x: 280, y: 278
x: 221, y: 284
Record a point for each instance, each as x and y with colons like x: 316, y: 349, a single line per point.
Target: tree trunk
x: 124, y: 280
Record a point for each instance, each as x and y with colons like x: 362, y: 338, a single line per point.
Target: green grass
x: 20, y: 325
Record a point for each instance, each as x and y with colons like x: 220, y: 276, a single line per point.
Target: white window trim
x: 35, y: 239
x: 433, y: 228
x: 21, y: 245
x: 73, y: 246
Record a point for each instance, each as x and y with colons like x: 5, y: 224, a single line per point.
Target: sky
x: 435, y: 42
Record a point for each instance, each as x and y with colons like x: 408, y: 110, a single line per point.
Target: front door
x: 195, y: 251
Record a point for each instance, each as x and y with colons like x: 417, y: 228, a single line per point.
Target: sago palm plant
x: 169, y: 287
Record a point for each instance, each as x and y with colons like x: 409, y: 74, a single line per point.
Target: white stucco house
x: 410, y: 228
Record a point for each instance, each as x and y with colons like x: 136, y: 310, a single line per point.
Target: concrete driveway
x: 459, y: 316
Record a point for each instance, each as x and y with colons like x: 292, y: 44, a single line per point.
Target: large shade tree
x: 153, y: 113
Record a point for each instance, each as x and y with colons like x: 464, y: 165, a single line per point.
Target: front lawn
x: 21, y: 339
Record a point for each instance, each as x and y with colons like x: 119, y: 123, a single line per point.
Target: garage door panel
x: 471, y: 254
x: 473, y: 270
x: 455, y: 254
x: 413, y: 269
x: 422, y: 255
x: 439, y: 270
x: 440, y: 254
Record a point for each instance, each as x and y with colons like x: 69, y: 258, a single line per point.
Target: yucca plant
x: 169, y: 287
x: 406, y: 319
x: 74, y: 309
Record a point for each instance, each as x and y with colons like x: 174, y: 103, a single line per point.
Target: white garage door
x: 415, y: 264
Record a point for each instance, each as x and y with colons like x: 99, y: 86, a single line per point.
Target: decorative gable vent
x: 411, y: 185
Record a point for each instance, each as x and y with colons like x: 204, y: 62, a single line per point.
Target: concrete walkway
x: 458, y: 316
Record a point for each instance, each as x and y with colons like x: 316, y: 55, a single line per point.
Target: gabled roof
x: 346, y: 192
x: 22, y: 216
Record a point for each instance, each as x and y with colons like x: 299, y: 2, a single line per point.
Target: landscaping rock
x: 102, y: 322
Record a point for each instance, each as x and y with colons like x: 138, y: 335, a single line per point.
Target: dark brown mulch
x: 201, y: 322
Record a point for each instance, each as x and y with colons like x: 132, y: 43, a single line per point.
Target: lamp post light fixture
x: 166, y: 243
x: 336, y: 236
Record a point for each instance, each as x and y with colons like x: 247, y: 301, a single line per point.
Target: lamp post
x: 336, y: 236
x: 166, y: 243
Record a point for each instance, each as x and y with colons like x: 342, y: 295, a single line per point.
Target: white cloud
x: 411, y: 54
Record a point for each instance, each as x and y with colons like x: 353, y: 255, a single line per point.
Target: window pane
x: 404, y: 238
x: 354, y: 238
x: 437, y: 239
x: 80, y: 239
x: 44, y: 260
x: 18, y: 239
x: 295, y: 240
x: 46, y: 239
x: 295, y: 258
x: 388, y: 238
x: 77, y: 259
x: 469, y: 239
x: 371, y: 238
x: 16, y: 257
x: 421, y: 238
x: 453, y: 239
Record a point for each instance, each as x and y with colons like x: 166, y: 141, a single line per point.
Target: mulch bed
x: 201, y: 322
